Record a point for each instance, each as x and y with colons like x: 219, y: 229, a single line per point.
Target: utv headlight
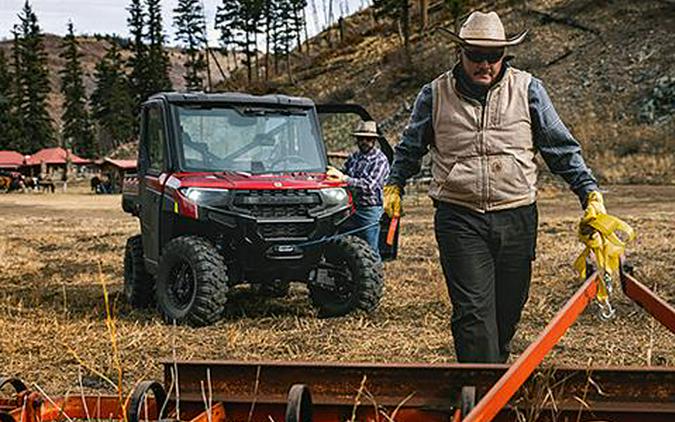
x: 206, y: 196
x: 335, y: 196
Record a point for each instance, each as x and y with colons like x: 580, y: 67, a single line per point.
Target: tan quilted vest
x: 483, y: 157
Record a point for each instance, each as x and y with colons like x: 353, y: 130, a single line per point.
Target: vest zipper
x: 483, y: 159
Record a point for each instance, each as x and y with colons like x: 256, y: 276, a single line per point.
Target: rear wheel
x: 192, y: 282
x: 139, y: 285
x: 348, y: 278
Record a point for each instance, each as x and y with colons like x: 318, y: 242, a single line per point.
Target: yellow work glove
x: 595, y: 205
x: 392, y: 200
x: 598, y: 232
x: 334, y: 174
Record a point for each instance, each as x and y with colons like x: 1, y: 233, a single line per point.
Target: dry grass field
x: 58, y: 251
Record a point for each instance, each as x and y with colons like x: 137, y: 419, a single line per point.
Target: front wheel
x: 349, y: 277
x: 192, y: 282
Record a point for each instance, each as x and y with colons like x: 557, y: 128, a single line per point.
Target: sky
x: 110, y: 16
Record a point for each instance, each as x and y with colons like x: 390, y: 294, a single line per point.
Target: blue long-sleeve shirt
x: 555, y: 143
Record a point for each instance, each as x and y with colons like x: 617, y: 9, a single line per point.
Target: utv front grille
x: 278, y: 211
x: 285, y: 230
x: 277, y: 203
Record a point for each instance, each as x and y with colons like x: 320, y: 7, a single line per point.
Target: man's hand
x: 595, y: 206
x: 335, y: 175
x: 392, y: 201
x: 599, y: 233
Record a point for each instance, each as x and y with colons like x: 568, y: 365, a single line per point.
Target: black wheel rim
x: 299, y: 404
x: 181, y: 285
x: 345, y: 286
x: 137, y: 401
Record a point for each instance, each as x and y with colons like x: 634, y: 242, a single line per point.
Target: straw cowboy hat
x: 484, y: 30
x: 366, y: 129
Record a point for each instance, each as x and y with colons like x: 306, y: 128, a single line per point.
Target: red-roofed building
x: 52, y: 162
x: 113, y: 172
x: 10, y: 160
x: 55, y: 155
x: 126, y: 165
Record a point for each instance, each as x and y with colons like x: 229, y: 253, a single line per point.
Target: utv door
x: 337, y: 123
x: 151, y: 165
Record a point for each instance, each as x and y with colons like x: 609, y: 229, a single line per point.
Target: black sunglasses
x: 480, y: 57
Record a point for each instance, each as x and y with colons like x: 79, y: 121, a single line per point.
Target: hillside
x: 607, y: 65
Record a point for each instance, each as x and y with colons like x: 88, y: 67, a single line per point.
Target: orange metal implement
x: 661, y: 310
x: 500, y: 394
x: 393, y: 225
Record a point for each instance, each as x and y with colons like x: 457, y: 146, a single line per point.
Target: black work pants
x: 487, y: 263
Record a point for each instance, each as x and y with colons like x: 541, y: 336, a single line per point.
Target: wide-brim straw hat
x: 484, y: 30
x: 367, y: 129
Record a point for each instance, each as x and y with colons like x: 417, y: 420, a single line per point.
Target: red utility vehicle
x: 231, y: 188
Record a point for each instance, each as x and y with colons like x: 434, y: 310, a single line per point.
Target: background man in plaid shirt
x: 365, y: 172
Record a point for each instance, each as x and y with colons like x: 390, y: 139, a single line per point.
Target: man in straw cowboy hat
x: 483, y: 122
x: 365, y: 172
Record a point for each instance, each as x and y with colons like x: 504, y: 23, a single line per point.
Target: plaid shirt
x: 366, y: 174
x: 555, y: 143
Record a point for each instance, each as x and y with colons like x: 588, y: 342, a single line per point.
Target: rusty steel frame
x: 258, y: 391
x: 661, y: 310
x: 627, y: 394
x: 529, y: 360
x: 31, y: 406
x: 431, y: 389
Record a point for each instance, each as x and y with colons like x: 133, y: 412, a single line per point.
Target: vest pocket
x: 507, y: 179
x: 463, y: 182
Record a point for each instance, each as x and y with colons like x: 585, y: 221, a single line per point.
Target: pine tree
x: 112, y: 101
x: 32, y: 85
x: 274, y: 32
x: 76, y: 132
x: 191, y: 32
x: 158, y: 64
x: 7, y: 131
x: 298, y: 21
x: 15, y: 93
x: 248, y: 28
x: 137, y: 62
x: 285, y: 33
x: 269, y: 16
x: 227, y: 15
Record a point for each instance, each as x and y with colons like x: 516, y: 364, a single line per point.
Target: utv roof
x: 233, y: 97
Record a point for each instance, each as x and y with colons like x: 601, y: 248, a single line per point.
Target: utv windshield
x: 249, y: 139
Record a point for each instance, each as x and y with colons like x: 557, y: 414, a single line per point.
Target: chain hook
x: 607, y: 311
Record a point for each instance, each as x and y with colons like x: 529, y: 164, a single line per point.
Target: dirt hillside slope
x: 608, y: 66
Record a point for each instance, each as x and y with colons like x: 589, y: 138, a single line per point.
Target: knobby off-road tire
x: 358, y: 276
x: 139, y: 285
x: 192, y: 282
